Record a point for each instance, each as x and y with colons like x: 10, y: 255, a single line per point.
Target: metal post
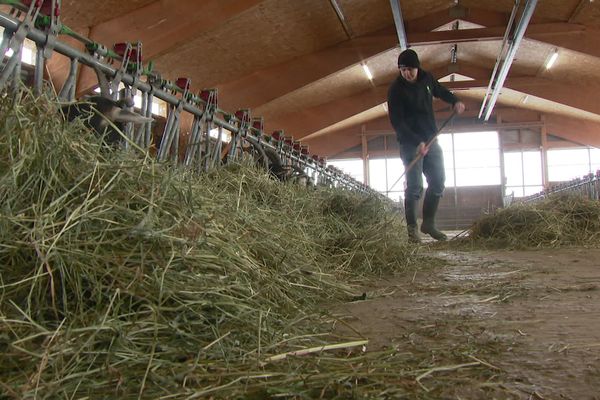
x: 512, y: 51
x: 398, y: 20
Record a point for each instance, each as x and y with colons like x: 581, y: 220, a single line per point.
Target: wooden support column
x: 365, y: 153
x: 544, y: 151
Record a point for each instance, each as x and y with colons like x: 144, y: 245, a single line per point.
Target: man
x: 410, y: 105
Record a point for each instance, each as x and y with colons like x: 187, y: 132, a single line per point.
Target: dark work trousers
x: 432, y: 166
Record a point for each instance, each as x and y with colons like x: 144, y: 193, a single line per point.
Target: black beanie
x: 408, y: 58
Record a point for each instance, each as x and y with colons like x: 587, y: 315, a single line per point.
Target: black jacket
x: 410, y: 107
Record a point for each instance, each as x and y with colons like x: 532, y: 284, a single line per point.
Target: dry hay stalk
x: 556, y: 221
x: 123, y: 278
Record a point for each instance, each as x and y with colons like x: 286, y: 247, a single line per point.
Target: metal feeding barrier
x: 39, y: 21
x: 586, y: 186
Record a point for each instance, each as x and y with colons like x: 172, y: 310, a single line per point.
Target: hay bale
x: 122, y: 278
x: 561, y: 220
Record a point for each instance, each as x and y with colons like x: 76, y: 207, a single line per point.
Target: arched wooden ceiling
x: 294, y: 62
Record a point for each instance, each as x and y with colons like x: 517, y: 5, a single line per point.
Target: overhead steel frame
x: 505, y: 58
x: 202, y: 107
x: 399, y: 22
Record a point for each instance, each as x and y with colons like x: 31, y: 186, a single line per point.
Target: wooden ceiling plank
x: 163, y: 26
x: 574, y: 130
x: 270, y: 83
x: 475, y: 15
x: 313, y: 119
x: 259, y: 88
x: 578, y: 9
x: 537, y: 31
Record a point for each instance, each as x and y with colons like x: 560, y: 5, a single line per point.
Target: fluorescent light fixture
x: 552, y: 59
x: 385, y: 107
x: 367, y: 72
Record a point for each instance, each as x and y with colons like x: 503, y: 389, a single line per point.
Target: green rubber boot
x: 410, y: 212
x: 430, y: 206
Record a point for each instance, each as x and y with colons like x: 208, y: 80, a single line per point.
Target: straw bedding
x: 123, y: 278
x: 560, y: 220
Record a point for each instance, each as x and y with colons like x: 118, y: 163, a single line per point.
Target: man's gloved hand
x: 459, y: 107
x: 422, y: 149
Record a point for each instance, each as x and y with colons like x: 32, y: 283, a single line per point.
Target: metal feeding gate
x: 588, y: 186
x: 39, y: 21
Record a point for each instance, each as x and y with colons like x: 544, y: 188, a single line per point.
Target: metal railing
x: 587, y: 186
x: 39, y: 21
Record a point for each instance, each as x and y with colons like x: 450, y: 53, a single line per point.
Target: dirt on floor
x: 530, y: 320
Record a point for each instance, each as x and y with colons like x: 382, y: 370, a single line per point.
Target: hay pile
x: 561, y: 220
x: 121, y: 278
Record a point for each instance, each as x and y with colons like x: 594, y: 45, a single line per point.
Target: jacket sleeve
x: 404, y: 132
x: 441, y: 92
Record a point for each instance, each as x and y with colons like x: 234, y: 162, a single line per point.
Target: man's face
x: 410, y: 74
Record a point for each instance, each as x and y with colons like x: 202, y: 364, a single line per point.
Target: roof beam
x: 578, y: 9
x: 259, y: 87
x: 313, y: 119
x: 583, y: 132
x: 399, y: 22
x: 304, y: 123
x: 475, y: 15
x: 534, y: 31
x: 578, y: 131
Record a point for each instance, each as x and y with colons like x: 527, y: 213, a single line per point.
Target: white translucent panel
x: 567, y: 157
x: 377, y: 175
x: 516, y: 190
x: 476, y: 140
x: 478, y: 176
x: 529, y: 190
x: 595, y: 159
x: 28, y: 52
x: 513, y: 169
x: 532, y: 167
x: 396, y: 196
x: 225, y: 135
x: 159, y: 107
x: 354, y: 167
x: 477, y: 158
x: 395, y: 168
x: 567, y: 172
x: 449, y: 177
x: 445, y: 142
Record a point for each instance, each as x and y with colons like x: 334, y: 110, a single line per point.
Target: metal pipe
x: 397, y: 11
x: 340, y: 15
x: 519, y: 33
x: 12, y: 24
x: 501, y: 55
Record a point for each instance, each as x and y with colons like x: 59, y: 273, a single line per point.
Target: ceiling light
x: 552, y: 59
x: 367, y: 72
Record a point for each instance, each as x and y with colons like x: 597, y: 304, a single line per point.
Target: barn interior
x: 315, y: 74
x: 303, y: 71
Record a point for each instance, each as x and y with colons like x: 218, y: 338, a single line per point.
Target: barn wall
x: 461, y: 206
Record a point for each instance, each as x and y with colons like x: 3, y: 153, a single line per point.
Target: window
x: 225, y: 134
x: 353, y: 167
x: 471, y: 159
x: 384, y: 174
x: 523, y: 172
x: 567, y: 164
x: 28, y: 53
x: 159, y: 107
